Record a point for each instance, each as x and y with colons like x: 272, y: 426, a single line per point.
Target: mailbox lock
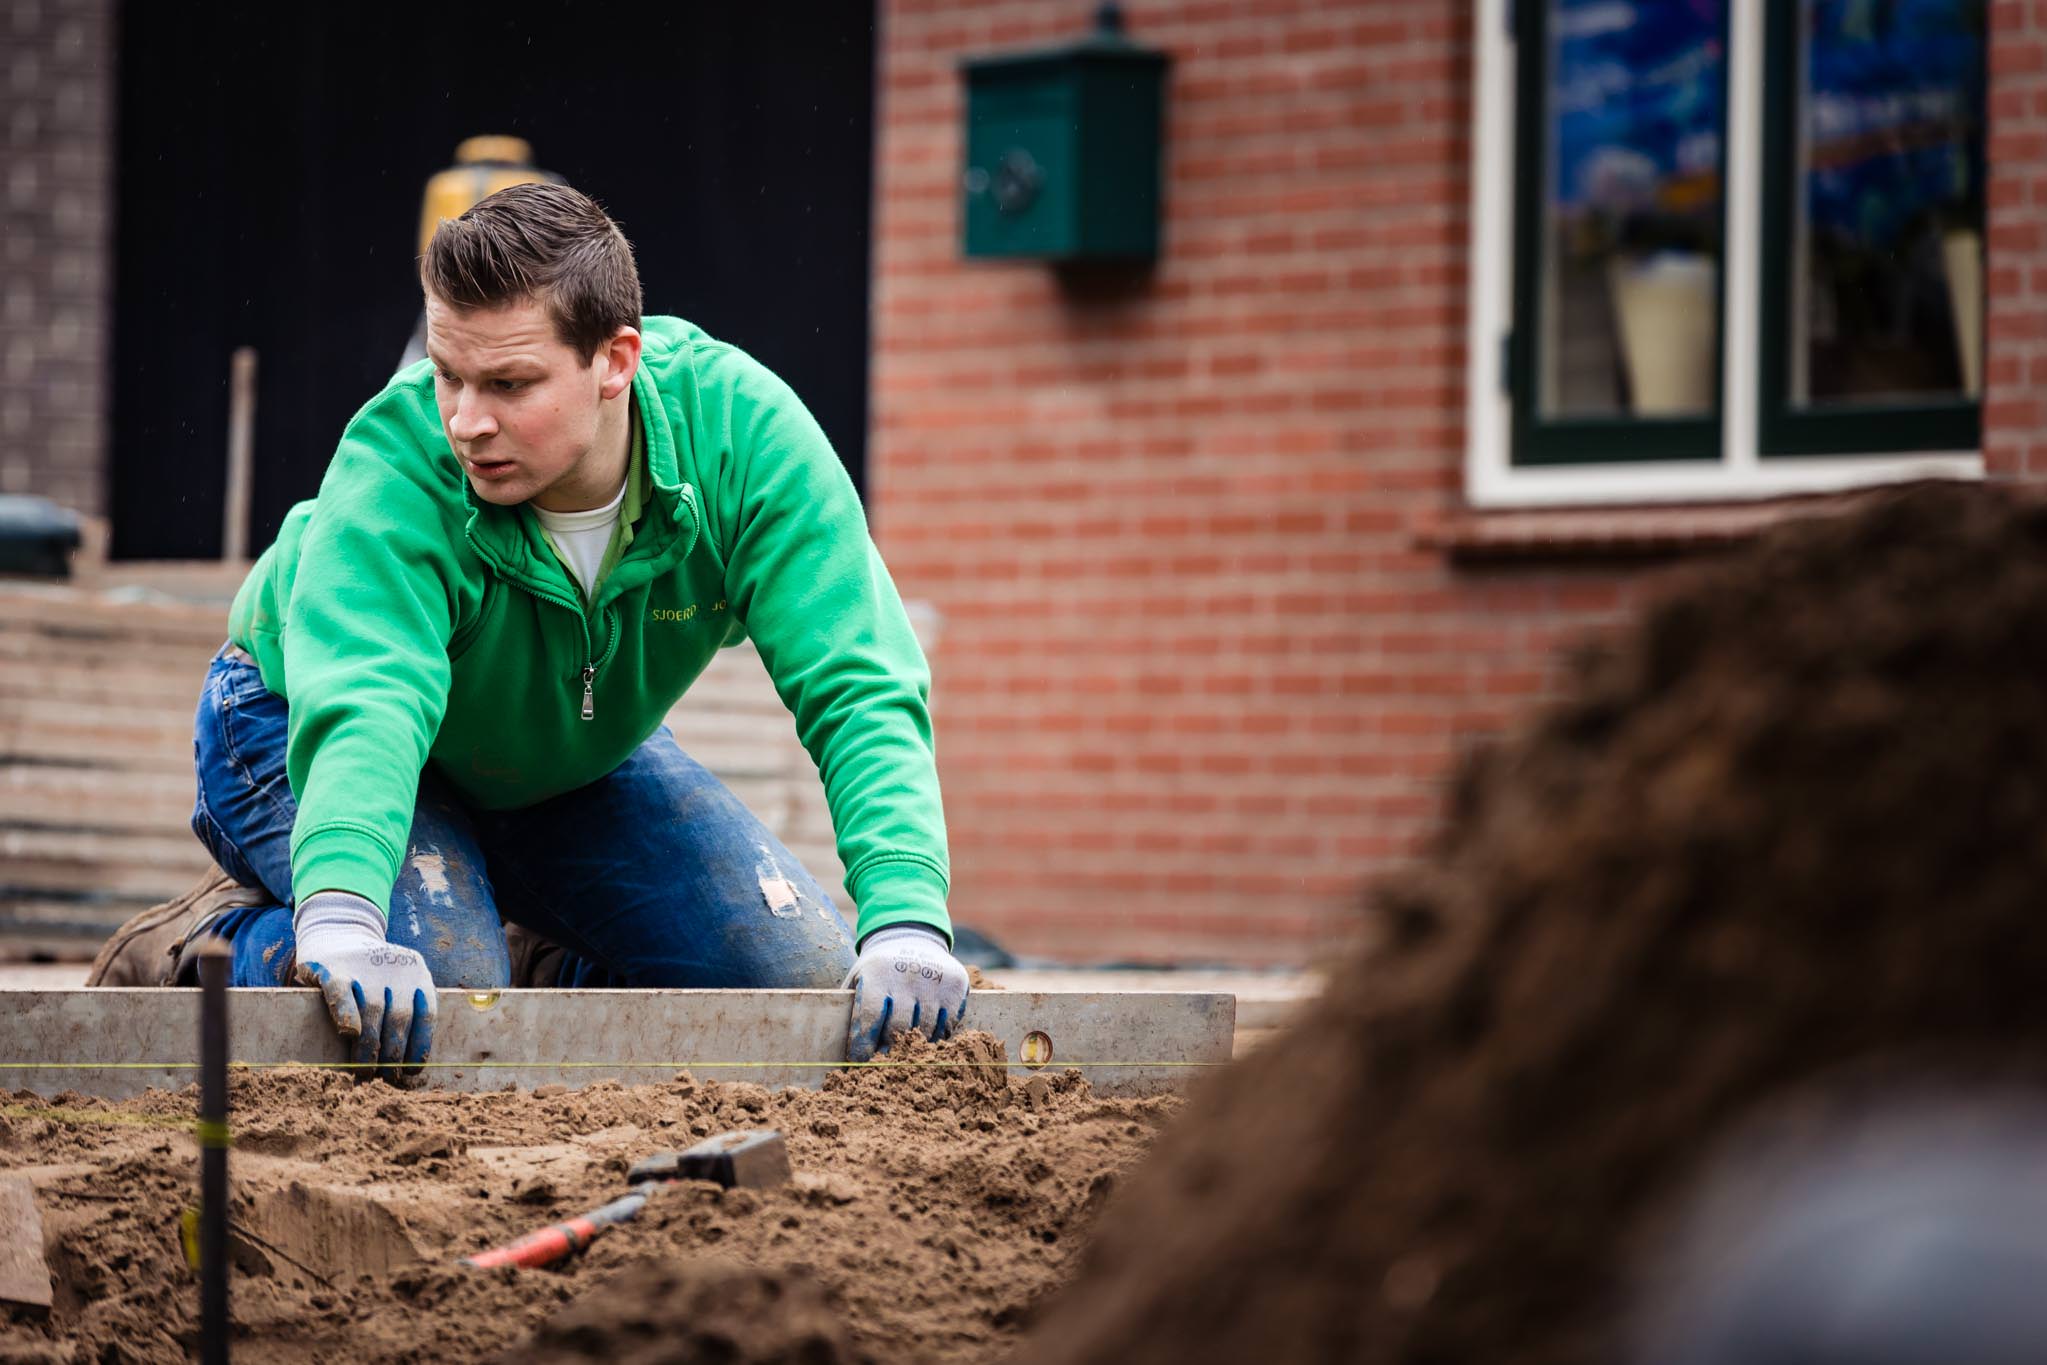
x: 1017, y: 180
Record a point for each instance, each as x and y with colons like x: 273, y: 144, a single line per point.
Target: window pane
x: 1631, y: 212
x: 1887, y: 277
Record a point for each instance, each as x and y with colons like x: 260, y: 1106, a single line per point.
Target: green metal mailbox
x: 1063, y: 150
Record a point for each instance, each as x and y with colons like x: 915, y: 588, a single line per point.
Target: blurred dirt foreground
x: 1789, y: 822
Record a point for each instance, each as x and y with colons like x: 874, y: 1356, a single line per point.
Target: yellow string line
x: 66, y: 1114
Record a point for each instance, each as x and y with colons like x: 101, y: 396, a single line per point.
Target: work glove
x: 381, y: 995
x: 905, y: 978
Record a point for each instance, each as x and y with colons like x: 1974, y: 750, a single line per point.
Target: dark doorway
x: 272, y: 159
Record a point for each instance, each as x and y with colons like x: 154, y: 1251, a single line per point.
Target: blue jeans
x: 654, y: 876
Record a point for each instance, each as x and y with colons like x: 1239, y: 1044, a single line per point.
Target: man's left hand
x: 906, y: 978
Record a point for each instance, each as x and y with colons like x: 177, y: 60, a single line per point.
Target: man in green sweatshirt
x: 440, y: 710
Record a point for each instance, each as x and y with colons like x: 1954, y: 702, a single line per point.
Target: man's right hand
x: 381, y: 995
x: 905, y: 978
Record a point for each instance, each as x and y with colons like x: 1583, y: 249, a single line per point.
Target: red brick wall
x: 1199, y: 678
x: 2015, y: 356
x: 56, y: 108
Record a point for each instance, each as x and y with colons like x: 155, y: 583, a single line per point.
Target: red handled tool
x: 755, y: 1157
x: 551, y: 1244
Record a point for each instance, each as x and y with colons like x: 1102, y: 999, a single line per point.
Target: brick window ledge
x: 1631, y: 532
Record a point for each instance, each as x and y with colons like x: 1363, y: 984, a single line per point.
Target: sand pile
x: 1796, y: 818
x: 932, y: 1206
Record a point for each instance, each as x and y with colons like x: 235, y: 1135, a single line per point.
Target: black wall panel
x: 272, y: 159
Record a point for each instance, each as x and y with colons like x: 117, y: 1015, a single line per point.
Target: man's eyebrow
x: 518, y: 366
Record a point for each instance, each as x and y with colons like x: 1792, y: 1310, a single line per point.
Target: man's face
x: 520, y: 408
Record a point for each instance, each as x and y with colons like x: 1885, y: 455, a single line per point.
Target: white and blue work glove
x: 381, y: 995
x: 906, y: 978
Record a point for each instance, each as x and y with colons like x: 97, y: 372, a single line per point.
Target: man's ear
x: 618, y: 360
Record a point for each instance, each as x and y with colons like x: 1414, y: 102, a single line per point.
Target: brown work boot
x: 536, y: 961
x: 149, y: 949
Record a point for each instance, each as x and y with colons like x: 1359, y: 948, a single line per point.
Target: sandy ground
x: 933, y: 1208
x: 934, y: 1204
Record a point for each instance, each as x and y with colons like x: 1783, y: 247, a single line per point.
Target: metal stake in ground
x: 213, y: 1269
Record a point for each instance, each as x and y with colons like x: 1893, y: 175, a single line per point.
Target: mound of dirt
x: 1792, y: 821
x: 662, y: 1312
x: 933, y: 1205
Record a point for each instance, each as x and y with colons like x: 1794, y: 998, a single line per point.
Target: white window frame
x: 1741, y: 473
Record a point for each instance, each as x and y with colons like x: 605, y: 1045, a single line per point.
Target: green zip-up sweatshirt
x: 405, y: 621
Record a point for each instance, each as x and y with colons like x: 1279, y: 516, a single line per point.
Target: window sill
x: 1469, y: 535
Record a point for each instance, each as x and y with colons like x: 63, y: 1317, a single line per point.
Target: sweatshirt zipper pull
x: 589, y: 692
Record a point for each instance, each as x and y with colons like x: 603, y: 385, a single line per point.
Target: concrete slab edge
x: 117, y: 1043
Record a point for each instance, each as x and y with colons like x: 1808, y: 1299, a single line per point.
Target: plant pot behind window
x: 1667, y: 314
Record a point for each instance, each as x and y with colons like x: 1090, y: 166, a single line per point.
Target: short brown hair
x: 543, y: 242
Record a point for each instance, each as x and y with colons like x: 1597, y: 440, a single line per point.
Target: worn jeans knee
x: 656, y: 875
x: 442, y: 903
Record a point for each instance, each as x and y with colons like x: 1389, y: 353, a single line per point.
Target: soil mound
x: 672, y: 1312
x: 1792, y: 820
